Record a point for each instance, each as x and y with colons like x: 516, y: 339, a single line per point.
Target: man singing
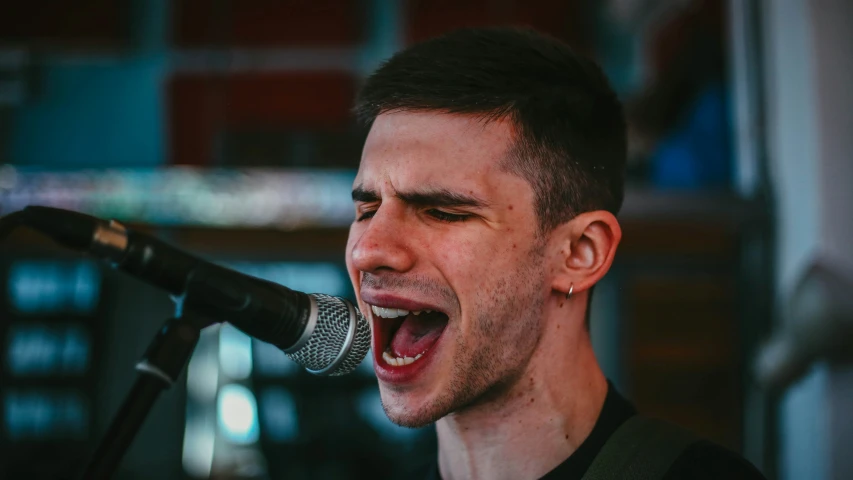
x: 486, y: 204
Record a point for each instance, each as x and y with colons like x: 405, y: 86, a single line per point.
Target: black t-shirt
x: 703, y: 460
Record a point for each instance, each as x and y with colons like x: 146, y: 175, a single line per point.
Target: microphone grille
x: 339, y: 341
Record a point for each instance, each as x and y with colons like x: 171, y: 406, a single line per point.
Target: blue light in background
x: 199, y: 446
x: 313, y: 277
x: 237, y: 414
x: 39, y: 349
x: 43, y: 287
x: 203, y: 369
x: 235, y: 352
x: 40, y: 415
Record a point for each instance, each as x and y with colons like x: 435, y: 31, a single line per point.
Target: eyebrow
x: 427, y: 197
x: 361, y: 194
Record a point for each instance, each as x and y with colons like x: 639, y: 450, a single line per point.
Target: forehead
x: 437, y: 148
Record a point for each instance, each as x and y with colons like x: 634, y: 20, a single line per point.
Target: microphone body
x: 325, y: 334
x: 262, y: 309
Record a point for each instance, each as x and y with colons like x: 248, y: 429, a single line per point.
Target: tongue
x: 417, y: 334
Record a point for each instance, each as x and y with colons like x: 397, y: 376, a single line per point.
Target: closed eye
x: 366, y: 215
x: 447, y: 217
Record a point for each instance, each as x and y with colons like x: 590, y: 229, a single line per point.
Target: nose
x: 382, y: 244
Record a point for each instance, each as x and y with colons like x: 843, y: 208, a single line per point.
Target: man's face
x: 441, y: 227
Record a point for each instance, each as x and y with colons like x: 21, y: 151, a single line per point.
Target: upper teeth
x: 394, y: 312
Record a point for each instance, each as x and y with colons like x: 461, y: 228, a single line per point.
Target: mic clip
x: 109, y: 240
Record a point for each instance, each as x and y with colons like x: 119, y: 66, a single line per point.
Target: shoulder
x: 705, y: 460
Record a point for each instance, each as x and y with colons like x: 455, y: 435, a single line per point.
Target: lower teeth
x: 399, y: 362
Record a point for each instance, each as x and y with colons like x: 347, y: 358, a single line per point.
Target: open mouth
x: 405, y: 337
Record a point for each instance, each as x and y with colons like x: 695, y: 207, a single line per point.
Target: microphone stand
x: 159, y: 369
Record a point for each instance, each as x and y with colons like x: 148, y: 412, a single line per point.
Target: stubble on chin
x: 400, y: 413
x: 485, y: 366
x: 490, y: 359
x: 413, y: 409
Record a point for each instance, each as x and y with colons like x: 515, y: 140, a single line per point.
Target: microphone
x: 325, y: 334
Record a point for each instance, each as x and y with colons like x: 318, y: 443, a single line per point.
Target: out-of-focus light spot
x: 45, y: 415
x: 8, y: 177
x: 281, y: 198
x: 199, y: 442
x: 53, y: 287
x: 237, y: 414
x: 278, y: 415
x: 235, y: 352
x: 203, y: 375
x: 39, y: 349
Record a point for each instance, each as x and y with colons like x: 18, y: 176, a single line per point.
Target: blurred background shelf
x: 225, y: 128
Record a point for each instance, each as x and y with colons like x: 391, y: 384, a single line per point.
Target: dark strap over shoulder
x: 641, y: 449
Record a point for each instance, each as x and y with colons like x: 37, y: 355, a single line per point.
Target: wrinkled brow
x: 432, y: 197
x: 360, y: 194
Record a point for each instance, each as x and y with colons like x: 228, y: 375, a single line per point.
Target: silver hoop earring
x: 571, y: 289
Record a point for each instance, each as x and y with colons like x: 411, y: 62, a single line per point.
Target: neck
x: 540, y: 420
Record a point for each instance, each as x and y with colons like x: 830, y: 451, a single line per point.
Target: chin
x: 409, y: 409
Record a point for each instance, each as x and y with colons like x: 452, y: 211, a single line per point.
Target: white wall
x: 808, y: 62
x: 833, y: 38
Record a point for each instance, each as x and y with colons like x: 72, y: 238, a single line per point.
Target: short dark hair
x: 570, y: 139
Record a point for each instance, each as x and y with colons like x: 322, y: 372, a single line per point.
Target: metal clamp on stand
x: 160, y: 367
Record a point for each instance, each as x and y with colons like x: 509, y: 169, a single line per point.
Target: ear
x: 583, y: 250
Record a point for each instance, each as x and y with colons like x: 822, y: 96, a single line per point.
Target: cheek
x: 458, y: 258
x: 474, y: 264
